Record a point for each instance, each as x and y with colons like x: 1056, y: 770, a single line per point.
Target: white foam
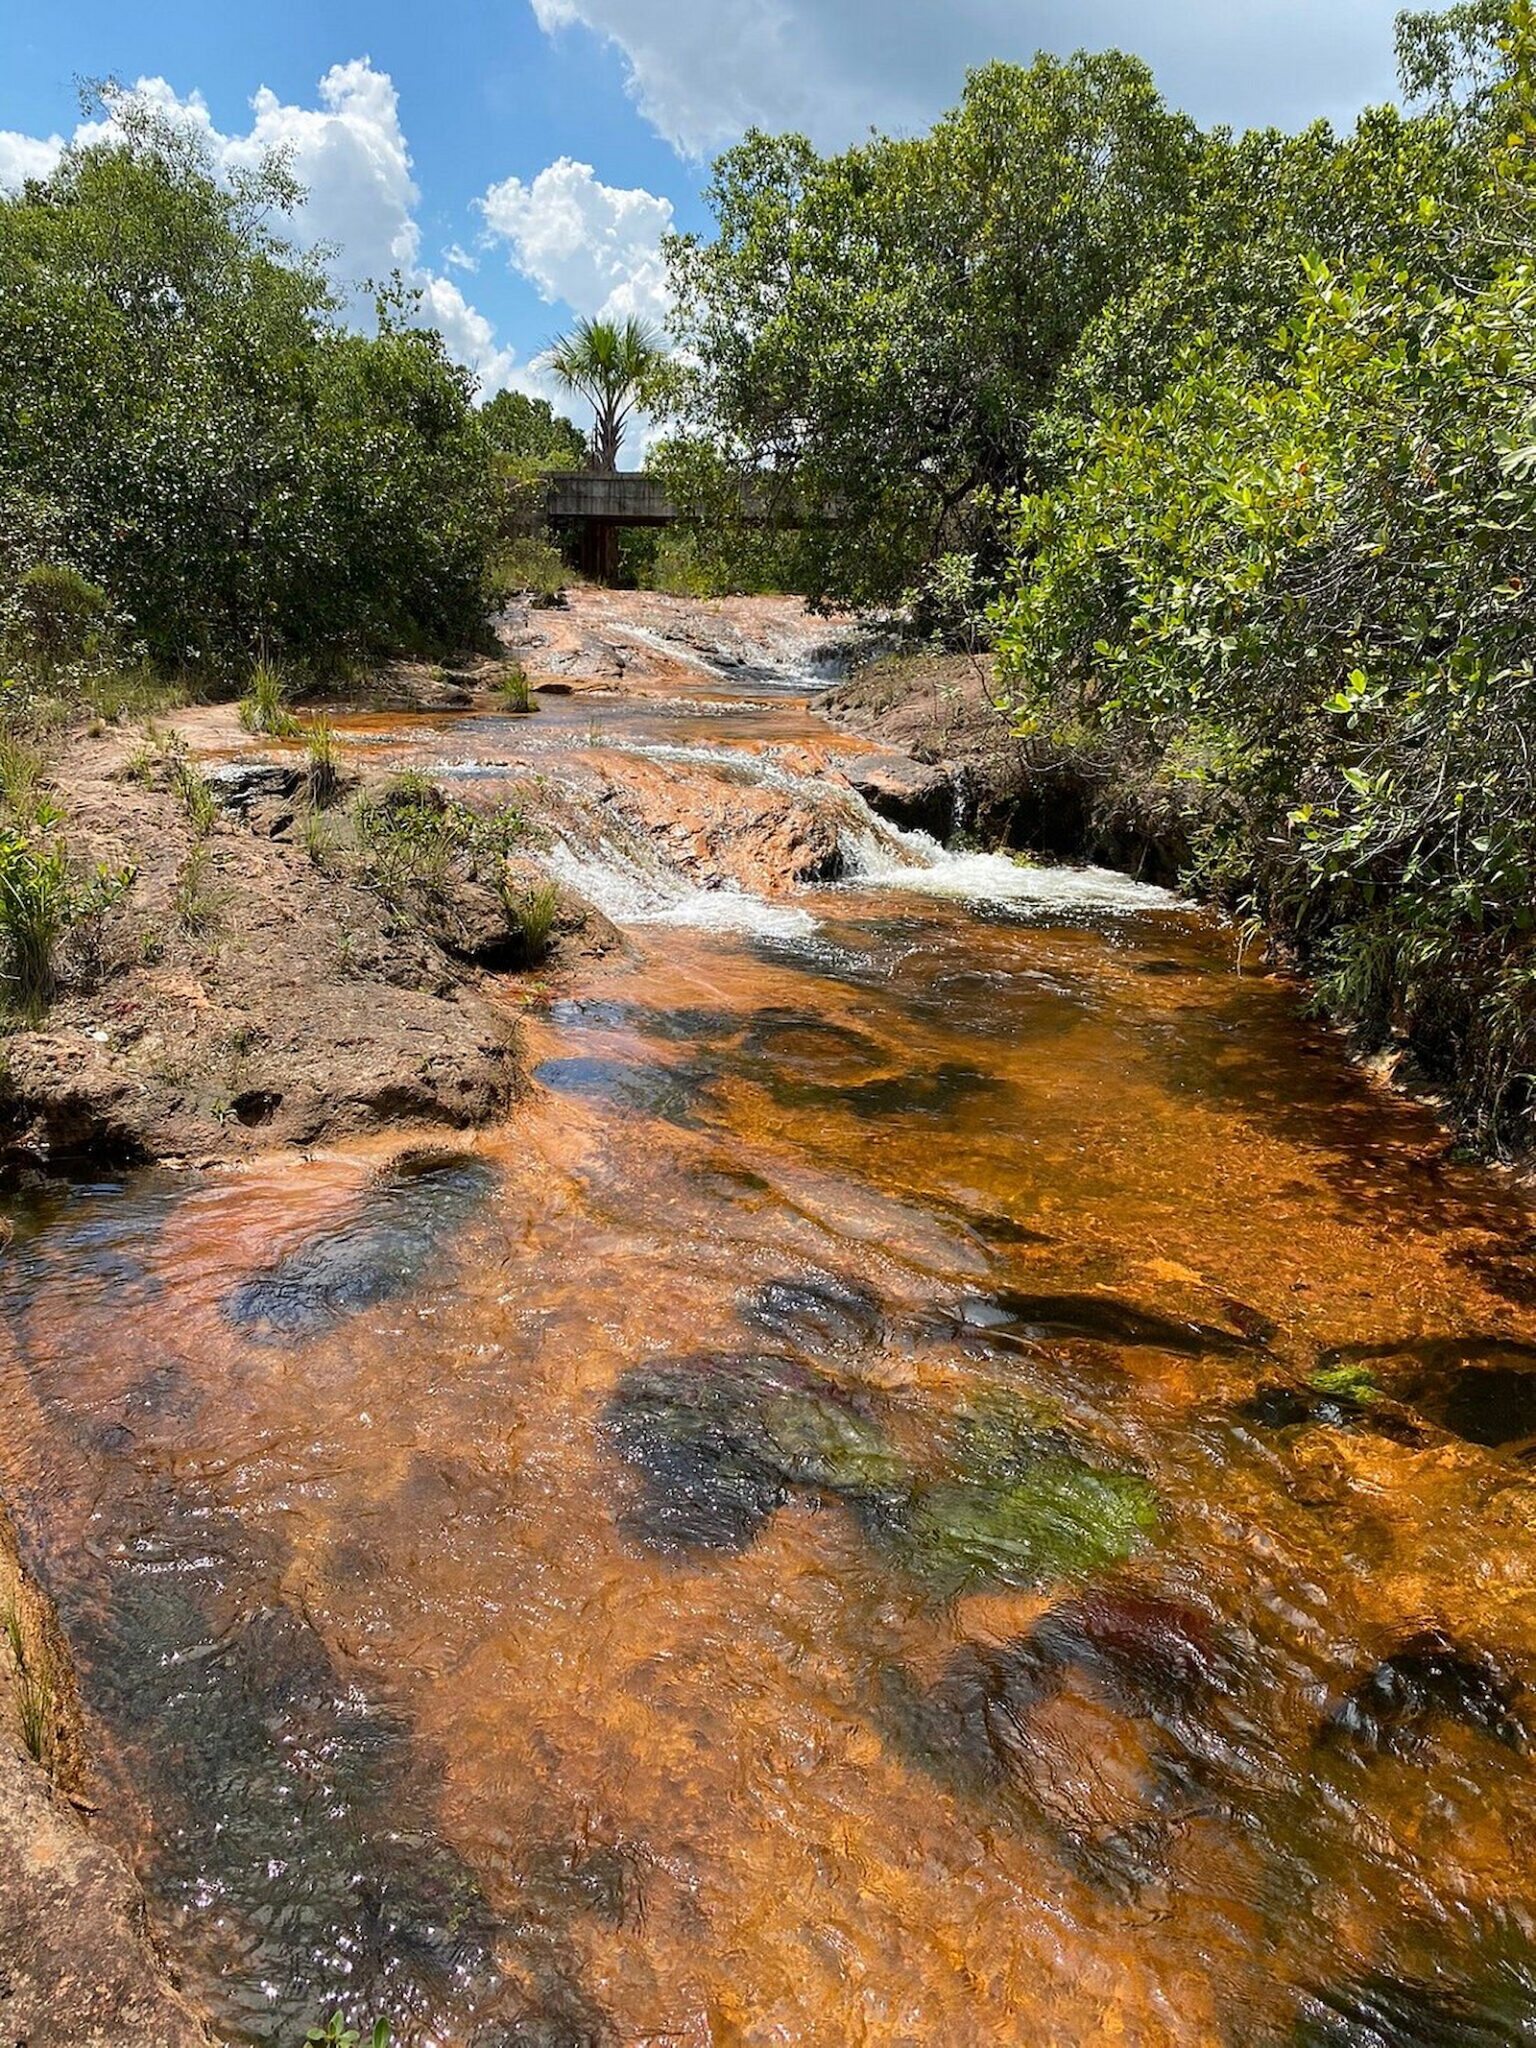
x: 632, y: 895
x: 893, y: 859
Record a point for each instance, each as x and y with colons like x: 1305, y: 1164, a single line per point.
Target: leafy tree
x: 614, y: 365
x: 877, y: 333
x: 182, y: 422
x: 1296, y: 586
x: 529, y: 430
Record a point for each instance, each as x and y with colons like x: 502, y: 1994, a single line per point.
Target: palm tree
x: 611, y: 364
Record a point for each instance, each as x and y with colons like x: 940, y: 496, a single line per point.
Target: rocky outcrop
x: 248, y: 994
x: 913, y: 794
x: 939, y: 713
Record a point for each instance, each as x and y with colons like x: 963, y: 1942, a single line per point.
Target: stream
x: 954, y: 1475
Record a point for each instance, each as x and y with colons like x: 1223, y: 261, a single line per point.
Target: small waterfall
x: 632, y: 885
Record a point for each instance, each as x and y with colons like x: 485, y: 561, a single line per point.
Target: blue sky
x: 520, y: 159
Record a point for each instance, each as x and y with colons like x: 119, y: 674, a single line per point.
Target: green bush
x: 63, y: 614
x: 43, y: 898
x: 1301, y: 584
x: 264, y: 708
x: 183, y: 422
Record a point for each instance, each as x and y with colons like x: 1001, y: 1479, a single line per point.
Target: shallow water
x: 925, y: 1490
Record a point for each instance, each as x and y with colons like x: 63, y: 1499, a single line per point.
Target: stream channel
x: 954, y: 1475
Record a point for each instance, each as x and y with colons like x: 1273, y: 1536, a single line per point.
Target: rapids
x: 955, y: 1475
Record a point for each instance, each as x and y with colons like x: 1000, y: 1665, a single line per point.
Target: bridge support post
x: 600, y: 549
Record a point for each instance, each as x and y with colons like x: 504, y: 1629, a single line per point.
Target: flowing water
x: 955, y: 1475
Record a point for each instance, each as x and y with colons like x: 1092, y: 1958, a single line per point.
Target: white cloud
x: 350, y: 155
x: 456, y: 258
x: 702, y: 71
x: 26, y: 156
x: 593, y: 246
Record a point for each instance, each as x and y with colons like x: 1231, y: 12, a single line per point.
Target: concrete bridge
x: 595, y: 503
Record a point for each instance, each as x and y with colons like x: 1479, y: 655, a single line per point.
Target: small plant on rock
x: 264, y: 709
x: 42, y: 899
x: 534, y: 911
x: 515, y: 693
x: 197, y: 799
x: 337, y: 2034
x: 198, y: 899
x: 323, y: 782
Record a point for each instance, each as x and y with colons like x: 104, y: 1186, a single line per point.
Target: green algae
x: 1055, y: 1518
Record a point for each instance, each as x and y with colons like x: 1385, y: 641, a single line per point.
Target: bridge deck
x: 626, y: 498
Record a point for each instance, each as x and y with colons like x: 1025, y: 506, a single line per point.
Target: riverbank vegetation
x: 198, y: 461
x: 1226, y: 444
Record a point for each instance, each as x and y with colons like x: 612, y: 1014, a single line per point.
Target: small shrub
x: 318, y: 837
x: 515, y: 693
x: 115, y: 695
x: 23, y: 784
x: 34, y: 1711
x: 42, y: 898
x: 63, y: 613
x: 197, y: 799
x: 264, y: 709
x: 526, y: 568
x: 337, y: 2034
x: 407, y: 831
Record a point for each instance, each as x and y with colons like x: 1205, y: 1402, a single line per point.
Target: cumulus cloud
x: 702, y: 71
x: 593, y: 246
x: 26, y: 156
x: 350, y: 155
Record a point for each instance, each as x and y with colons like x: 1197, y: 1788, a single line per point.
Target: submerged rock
x: 1381, y: 2011
x: 1481, y: 1389
x: 1087, y: 1725
x: 382, y: 1250
x: 1101, y: 1318
x: 1055, y: 1517
x: 816, y: 1313
x: 718, y: 1443
x: 1430, y: 1678
x: 671, y: 1093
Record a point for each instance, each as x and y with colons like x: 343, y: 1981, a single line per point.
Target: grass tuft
x: 515, y: 693
x: 324, y: 777
x: 264, y: 709
x: 535, y: 910
x: 199, y: 900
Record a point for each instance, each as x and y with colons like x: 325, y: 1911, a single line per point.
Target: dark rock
x: 1146, y: 1652
x: 395, y: 1234
x: 1381, y: 2011
x: 818, y: 1314
x: 913, y: 796
x: 1481, y: 1389
x: 1430, y: 1678
x: 933, y: 1091
x: 998, y: 1229
x: 1101, y: 1318
x: 671, y: 1093
x: 717, y: 1444
x: 1285, y: 1407
x: 237, y: 785
x: 257, y: 1105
